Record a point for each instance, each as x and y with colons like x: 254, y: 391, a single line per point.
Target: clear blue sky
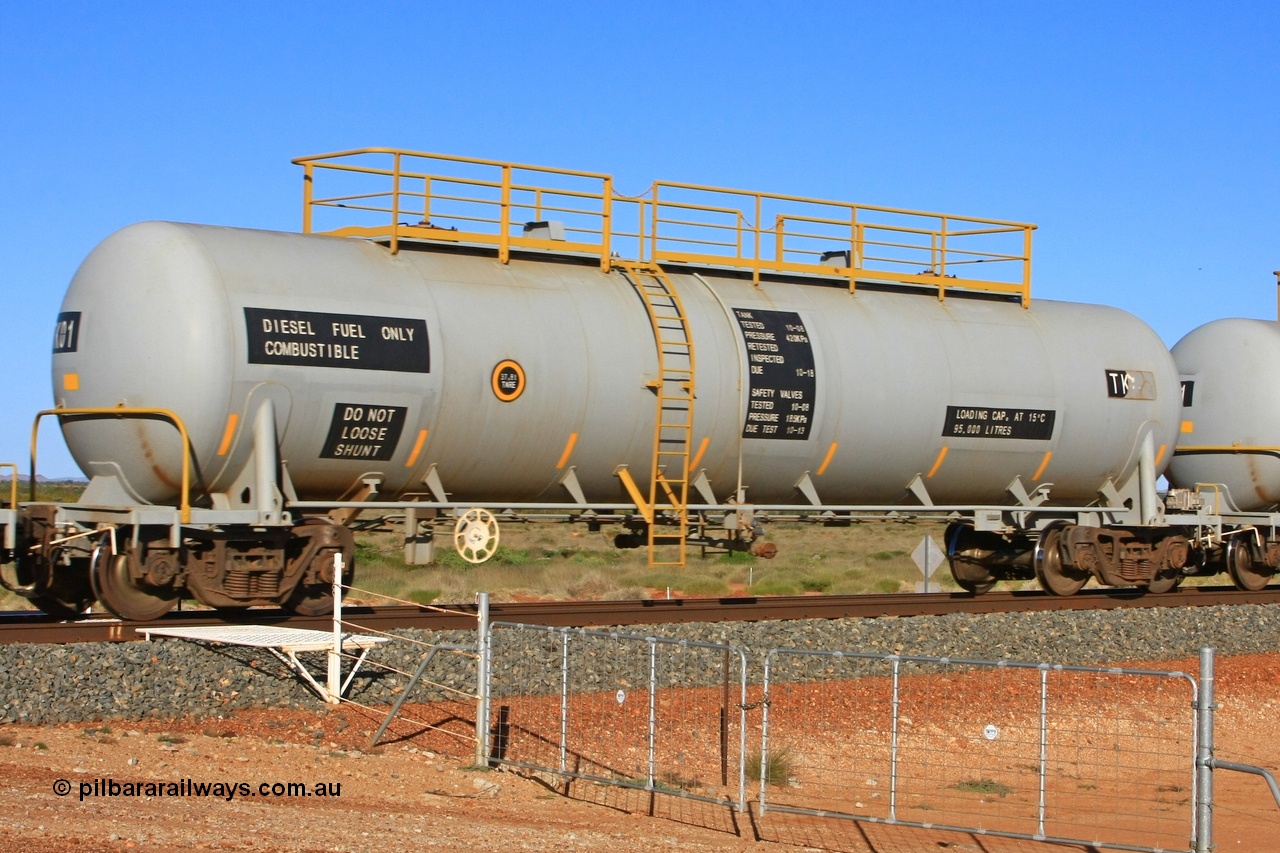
x: 1142, y: 137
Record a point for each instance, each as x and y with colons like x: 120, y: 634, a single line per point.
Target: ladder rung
x: 671, y: 440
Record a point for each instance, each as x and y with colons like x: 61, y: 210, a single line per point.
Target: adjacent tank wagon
x: 1229, y: 447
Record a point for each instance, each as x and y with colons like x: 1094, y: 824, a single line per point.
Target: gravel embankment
x: 169, y: 678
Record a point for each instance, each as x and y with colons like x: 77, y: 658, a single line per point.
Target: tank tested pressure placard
x: 337, y: 340
x: 783, y: 386
x: 363, y: 431
x: 985, y: 422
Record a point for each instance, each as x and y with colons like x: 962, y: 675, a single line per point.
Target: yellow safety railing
x: 795, y: 235
x: 483, y: 201
x: 124, y: 412
x: 396, y: 195
x: 13, y: 485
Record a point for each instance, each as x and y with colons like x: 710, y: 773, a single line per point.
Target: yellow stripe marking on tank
x: 1044, y: 463
x: 417, y: 449
x: 826, y: 460
x: 702, y: 449
x: 937, y: 463
x: 1160, y: 453
x: 228, y: 434
x: 568, y: 450
x: 1188, y: 426
x: 71, y: 381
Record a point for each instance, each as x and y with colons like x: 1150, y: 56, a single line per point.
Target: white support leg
x: 335, y: 654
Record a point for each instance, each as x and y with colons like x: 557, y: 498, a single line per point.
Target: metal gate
x: 660, y: 715
x: 1087, y: 755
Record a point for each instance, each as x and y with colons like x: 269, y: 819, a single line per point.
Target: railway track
x: 27, y: 627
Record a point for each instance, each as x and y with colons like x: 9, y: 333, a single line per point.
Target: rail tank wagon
x: 434, y: 368
x: 361, y: 353
x: 1229, y: 447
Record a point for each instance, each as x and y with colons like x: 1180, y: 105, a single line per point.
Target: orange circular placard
x: 508, y: 380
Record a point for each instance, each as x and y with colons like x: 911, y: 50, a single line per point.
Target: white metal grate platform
x: 284, y: 643
x: 266, y: 636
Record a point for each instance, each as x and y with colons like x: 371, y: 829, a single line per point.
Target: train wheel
x: 1165, y: 583
x: 1244, y: 572
x: 310, y: 601
x: 970, y: 586
x: 967, y: 569
x: 59, y: 609
x: 1054, y: 577
x: 318, y: 541
x: 109, y: 575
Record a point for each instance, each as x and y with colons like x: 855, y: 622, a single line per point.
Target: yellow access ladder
x: 674, y: 387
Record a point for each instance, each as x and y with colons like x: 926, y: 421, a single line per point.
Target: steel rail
x: 30, y: 627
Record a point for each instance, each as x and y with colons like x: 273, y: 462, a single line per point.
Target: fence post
x: 482, y: 679
x: 1204, y: 754
x: 334, y: 686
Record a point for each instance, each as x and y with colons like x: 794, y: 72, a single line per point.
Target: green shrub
x: 424, y: 596
x: 817, y: 583
x: 703, y: 586
x: 774, y: 586
x: 983, y: 786
x: 778, y: 768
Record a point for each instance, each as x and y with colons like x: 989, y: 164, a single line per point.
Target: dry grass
x: 559, y: 561
x: 556, y: 561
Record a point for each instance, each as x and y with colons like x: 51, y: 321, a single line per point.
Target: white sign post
x: 334, y: 686
x: 928, y: 555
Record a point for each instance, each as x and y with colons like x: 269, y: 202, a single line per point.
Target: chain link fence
x: 1091, y: 755
x: 660, y: 715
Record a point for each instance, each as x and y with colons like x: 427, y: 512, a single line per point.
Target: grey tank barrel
x: 445, y: 368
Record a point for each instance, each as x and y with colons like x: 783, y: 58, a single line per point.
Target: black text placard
x: 997, y: 422
x: 337, y: 340
x: 363, y: 431
x: 783, y: 384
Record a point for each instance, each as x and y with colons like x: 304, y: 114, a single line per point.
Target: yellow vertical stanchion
x: 755, y: 265
x: 855, y: 247
x: 395, y: 203
x: 308, y: 188
x: 504, y: 218
x: 1026, y: 268
x: 653, y: 227
x: 606, y: 226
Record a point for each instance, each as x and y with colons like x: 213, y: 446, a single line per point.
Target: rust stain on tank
x: 140, y: 427
x: 1256, y: 475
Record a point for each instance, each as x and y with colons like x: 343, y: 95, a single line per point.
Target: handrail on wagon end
x: 13, y: 486
x: 184, y: 504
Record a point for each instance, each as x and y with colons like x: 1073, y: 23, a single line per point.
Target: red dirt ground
x: 417, y: 791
